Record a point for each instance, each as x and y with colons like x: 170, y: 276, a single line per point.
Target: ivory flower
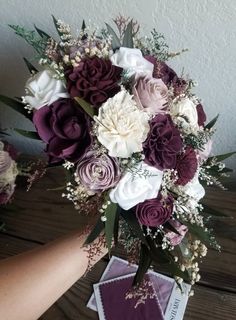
x: 136, y: 187
x: 122, y: 127
x: 185, y: 110
x: 44, y: 89
x: 132, y: 61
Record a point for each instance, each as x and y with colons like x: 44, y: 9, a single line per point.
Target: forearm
x: 31, y: 282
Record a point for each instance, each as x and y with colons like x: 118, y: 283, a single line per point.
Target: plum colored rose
x: 150, y: 94
x: 154, y: 212
x: 173, y: 237
x: 98, y: 172
x: 65, y: 128
x: 186, y: 166
x: 201, y: 115
x: 94, y: 80
x: 163, y: 143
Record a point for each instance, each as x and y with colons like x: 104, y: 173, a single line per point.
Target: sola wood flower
x: 122, y: 127
x: 98, y: 172
x: 43, y: 89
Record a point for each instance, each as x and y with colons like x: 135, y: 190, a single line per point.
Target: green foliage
x: 30, y: 67
x: 110, y: 214
x: 56, y: 26
x: 222, y: 157
x: 99, y: 226
x: 115, y: 39
x: 128, y: 36
x: 15, y: 105
x: 86, y: 106
x: 42, y: 33
x: 144, y: 263
x: 28, y: 134
x: 212, y: 123
x: 31, y: 37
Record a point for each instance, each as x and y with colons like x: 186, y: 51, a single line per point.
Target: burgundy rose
x: 163, y: 143
x: 94, y: 80
x: 98, y: 172
x: 155, y: 212
x: 186, y: 166
x: 65, y: 128
x: 201, y: 115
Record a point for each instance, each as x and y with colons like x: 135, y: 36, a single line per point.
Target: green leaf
x: 28, y: 134
x: 56, y: 25
x: 16, y: 105
x: 110, y: 214
x: 83, y: 27
x: 42, y: 33
x: 31, y: 68
x: 132, y: 221
x: 99, y: 226
x: 212, y: 123
x: 116, y: 225
x: 115, y: 40
x: 169, y: 226
x: 222, y: 157
x: 144, y: 263
x: 128, y: 36
x: 86, y: 106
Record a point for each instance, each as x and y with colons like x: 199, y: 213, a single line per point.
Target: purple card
x: 116, y: 300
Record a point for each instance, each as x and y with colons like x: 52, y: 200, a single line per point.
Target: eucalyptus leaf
x: 30, y: 67
x: 86, y: 106
x: 28, y: 134
x: 128, y: 36
x: 144, y: 263
x: 115, y: 39
x: 42, y: 33
x: 16, y: 105
x: 99, y: 226
x: 110, y: 214
x: 212, y: 122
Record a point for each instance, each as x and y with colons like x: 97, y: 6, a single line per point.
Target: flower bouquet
x: 132, y: 137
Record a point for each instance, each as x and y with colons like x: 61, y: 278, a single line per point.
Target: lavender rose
x: 65, y: 129
x: 163, y: 143
x: 94, y: 80
x: 98, y: 172
x: 186, y: 166
x: 155, y: 212
x: 150, y: 94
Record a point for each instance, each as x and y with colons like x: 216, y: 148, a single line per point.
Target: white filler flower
x: 44, y: 89
x: 122, y: 127
x: 132, y: 61
x: 136, y: 187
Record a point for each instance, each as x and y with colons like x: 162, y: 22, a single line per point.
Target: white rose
x: 44, y: 89
x: 122, y: 127
x: 132, y: 61
x: 186, y: 111
x: 136, y: 187
x: 194, y: 189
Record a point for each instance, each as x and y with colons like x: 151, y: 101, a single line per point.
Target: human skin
x: 32, y: 281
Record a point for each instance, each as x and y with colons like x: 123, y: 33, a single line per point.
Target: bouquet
x: 132, y: 137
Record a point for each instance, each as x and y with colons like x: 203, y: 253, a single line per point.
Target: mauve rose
x: 150, y: 94
x: 98, y: 172
x: 173, y: 237
x: 186, y: 166
x: 163, y: 143
x: 201, y: 115
x: 94, y: 80
x: 154, y: 212
x: 65, y: 128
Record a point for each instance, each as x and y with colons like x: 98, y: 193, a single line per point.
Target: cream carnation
x: 44, y: 89
x: 122, y: 127
x: 136, y: 187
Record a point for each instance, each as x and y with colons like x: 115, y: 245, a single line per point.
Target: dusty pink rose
x: 204, y: 154
x: 150, y: 94
x: 173, y: 237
